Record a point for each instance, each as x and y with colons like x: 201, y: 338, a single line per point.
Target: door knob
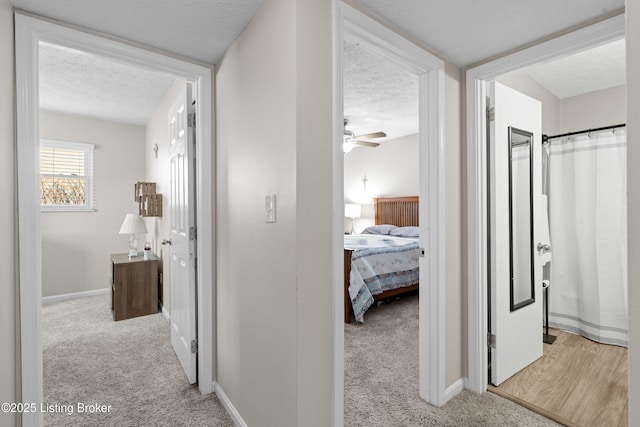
x: 166, y: 242
x: 543, y: 248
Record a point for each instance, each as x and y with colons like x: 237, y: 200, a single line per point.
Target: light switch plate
x: 270, y: 205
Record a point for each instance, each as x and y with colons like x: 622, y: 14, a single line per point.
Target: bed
x: 377, y: 267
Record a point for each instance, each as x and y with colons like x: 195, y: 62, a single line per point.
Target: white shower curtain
x: 588, y: 222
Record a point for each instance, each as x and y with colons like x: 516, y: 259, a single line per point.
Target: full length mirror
x: 521, y: 218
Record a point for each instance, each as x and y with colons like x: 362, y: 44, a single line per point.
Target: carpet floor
x: 128, y: 366
x: 381, y: 379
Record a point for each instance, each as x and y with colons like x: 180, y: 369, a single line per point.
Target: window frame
x: 87, y: 149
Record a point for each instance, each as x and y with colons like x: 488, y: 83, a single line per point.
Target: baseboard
x: 165, y: 313
x: 231, y: 410
x: 453, y: 390
x: 74, y: 295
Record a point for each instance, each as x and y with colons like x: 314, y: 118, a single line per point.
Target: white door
x: 515, y: 188
x: 182, y: 230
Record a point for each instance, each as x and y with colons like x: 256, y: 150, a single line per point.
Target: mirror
x: 521, y: 218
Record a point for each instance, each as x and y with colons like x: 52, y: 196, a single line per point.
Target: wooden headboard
x: 400, y: 211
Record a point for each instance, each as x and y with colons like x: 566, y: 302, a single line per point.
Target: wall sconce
x: 353, y: 211
x: 133, y: 224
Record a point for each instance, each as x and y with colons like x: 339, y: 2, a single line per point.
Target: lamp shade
x: 133, y: 224
x: 352, y: 210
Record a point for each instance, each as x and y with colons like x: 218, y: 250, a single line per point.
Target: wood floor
x: 577, y: 382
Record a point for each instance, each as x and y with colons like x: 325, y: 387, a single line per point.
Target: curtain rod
x: 546, y: 138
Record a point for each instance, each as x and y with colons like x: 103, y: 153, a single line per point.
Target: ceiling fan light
x: 347, y: 146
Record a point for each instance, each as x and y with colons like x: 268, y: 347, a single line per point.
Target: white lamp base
x: 133, y: 246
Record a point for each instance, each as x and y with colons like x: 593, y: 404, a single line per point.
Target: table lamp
x: 133, y: 225
x: 353, y: 211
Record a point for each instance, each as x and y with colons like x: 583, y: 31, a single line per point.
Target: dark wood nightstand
x: 134, y: 286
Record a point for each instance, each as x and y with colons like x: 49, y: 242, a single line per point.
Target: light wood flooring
x: 577, y: 382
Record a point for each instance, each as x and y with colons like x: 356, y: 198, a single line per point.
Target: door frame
x: 605, y: 31
x: 29, y: 31
x: 352, y: 24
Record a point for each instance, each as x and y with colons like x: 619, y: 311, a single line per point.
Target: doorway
x: 582, y: 161
x: 353, y: 25
x: 29, y: 33
x: 381, y: 168
x: 478, y: 79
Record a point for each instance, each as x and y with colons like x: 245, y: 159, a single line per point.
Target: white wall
x: 391, y: 169
x: 454, y: 299
x: 592, y: 110
x: 76, y: 245
x: 157, y: 132
x: 523, y: 83
x: 314, y: 212
x: 273, y: 286
x: 9, y: 352
x: 633, y: 216
x: 256, y: 274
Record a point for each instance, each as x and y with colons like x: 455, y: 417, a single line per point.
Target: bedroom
x: 381, y: 103
x: 128, y: 128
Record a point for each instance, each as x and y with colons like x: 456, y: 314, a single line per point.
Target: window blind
x: 66, y: 176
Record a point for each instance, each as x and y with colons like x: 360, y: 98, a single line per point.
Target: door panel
x: 182, y: 219
x: 515, y: 188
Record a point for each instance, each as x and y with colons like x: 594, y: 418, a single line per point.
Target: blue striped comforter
x: 379, y: 263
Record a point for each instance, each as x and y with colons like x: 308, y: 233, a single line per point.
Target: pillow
x: 405, y: 232
x: 379, y: 229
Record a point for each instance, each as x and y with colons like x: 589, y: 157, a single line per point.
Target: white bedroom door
x: 515, y: 189
x: 182, y: 232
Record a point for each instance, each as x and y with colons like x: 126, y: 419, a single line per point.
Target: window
x: 66, y: 176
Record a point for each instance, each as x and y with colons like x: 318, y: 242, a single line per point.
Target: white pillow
x: 405, y: 232
x: 379, y: 229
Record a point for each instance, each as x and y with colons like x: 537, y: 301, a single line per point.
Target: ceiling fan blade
x: 367, y: 143
x: 371, y: 135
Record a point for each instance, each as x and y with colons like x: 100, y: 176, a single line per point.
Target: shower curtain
x: 586, y: 185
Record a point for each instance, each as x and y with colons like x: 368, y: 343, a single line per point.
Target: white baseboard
x: 454, y: 389
x: 231, y: 410
x: 74, y: 295
x: 165, y: 313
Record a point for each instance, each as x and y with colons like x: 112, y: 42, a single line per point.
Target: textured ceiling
x: 595, y: 69
x: 77, y: 83
x: 378, y: 94
x: 466, y: 32
x: 198, y: 29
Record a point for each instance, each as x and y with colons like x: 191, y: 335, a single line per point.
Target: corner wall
x: 274, y: 299
x: 76, y: 245
x: 522, y: 82
x: 9, y: 314
x: 453, y: 157
x: 256, y: 273
x: 592, y: 110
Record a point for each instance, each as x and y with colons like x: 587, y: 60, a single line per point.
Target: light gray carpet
x: 130, y: 365
x: 381, y: 379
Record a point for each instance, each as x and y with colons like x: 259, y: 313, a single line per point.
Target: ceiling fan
x: 351, y: 140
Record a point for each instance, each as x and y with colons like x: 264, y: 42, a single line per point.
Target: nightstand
x: 134, y: 286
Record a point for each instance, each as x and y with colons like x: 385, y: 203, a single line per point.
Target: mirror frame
x: 512, y: 305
